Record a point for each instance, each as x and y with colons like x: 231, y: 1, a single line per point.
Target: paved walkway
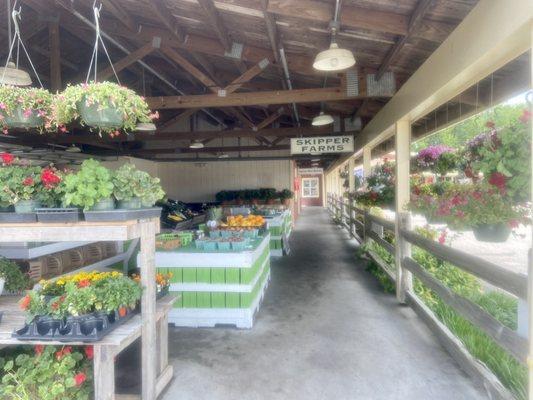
x: 325, y: 331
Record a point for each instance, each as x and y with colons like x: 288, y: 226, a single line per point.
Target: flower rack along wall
x: 151, y: 325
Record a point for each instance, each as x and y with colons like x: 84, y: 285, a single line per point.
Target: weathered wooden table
x: 151, y: 325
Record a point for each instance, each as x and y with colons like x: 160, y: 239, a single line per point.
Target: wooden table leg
x: 162, y: 343
x: 104, y: 372
x: 148, y: 315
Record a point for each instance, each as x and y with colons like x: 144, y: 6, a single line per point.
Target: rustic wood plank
x: 120, y: 14
x: 402, y: 250
x: 477, y: 371
x: 55, y: 56
x: 251, y: 98
x: 382, y: 264
x: 216, y: 22
x: 247, y: 76
x: 503, y: 278
x: 148, y: 309
x: 382, y: 242
x: 163, y: 14
x: 389, y: 225
x: 104, y: 372
x: 505, y: 337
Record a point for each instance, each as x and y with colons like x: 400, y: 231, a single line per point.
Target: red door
x: 311, y: 190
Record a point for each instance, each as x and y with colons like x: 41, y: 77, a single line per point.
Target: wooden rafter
x: 131, y: 58
x: 164, y: 15
x: 252, y: 98
x: 247, y: 76
x: 170, y: 150
x: 415, y: 22
x: 55, y: 55
x: 172, y: 122
x: 216, y: 22
x: 120, y: 14
x: 270, y: 119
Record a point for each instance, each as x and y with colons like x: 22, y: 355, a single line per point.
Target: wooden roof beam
x: 214, y: 18
x: 252, y: 98
x: 422, y: 7
x: 120, y: 14
x: 247, y: 76
x: 171, y: 150
x: 55, y: 55
x: 270, y: 119
x: 165, y: 16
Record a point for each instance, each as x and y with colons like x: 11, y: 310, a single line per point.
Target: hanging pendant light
x: 334, y: 59
x: 145, y: 127
x: 196, y: 145
x: 73, y: 149
x: 322, y: 119
x: 11, y: 75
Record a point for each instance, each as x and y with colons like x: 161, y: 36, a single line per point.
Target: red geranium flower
x: 89, y: 352
x: 25, y: 302
x: 79, y: 378
x: 84, y: 283
x: 7, y: 158
x: 28, y: 181
x: 499, y: 180
x: 49, y: 178
x: 39, y: 349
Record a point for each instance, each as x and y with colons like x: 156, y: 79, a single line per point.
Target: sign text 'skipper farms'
x: 322, y: 144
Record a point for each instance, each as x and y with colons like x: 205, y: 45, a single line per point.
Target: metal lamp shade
x: 145, y: 127
x: 14, y: 76
x: 196, y: 145
x: 322, y: 119
x: 334, y: 59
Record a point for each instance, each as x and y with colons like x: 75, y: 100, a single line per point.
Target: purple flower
x: 428, y: 156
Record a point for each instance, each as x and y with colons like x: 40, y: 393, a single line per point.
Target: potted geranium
x: 126, y: 187
x: 106, y: 106
x: 12, y: 279
x: 22, y: 107
x: 285, y: 196
x: 90, y: 188
x: 22, y: 185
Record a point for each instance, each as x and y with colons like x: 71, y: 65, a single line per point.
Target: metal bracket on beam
x: 386, y: 86
x: 156, y: 42
x: 352, y: 83
x: 222, y: 93
x: 236, y: 51
x: 263, y: 63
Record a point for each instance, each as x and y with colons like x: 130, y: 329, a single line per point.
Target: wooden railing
x: 372, y: 227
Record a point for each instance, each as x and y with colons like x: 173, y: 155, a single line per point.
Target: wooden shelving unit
x: 151, y: 325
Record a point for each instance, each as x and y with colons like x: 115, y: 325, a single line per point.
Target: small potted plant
x: 22, y: 186
x: 12, y: 279
x: 268, y: 195
x: 149, y: 189
x: 126, y: 187
x: 285, y: 196
x: 106, y: 106
x: 22, y: 107
x: 90, y: 188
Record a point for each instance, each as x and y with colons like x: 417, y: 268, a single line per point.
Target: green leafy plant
x: 92, y: 183
x: 379, y: 189
x: 126, y: 102
x: 47, y: 373
x: 267, y: 194
x: 149, y: 190
x: 285, y: 194
x: 16, y: 280
x: 32, y: 102
x: 126, y: 182
x: 21, y: 182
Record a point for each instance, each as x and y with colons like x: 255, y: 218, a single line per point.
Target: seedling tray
x: 17, y: 218
x: 84, y: 328
x: 58, y: 214
x: 122, y: 215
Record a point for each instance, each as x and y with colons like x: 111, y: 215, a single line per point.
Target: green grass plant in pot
x: 90, y: 188
x: 22, y: 107
x: 105, y: 106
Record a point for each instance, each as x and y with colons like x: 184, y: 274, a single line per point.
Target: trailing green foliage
x: 16, y: 280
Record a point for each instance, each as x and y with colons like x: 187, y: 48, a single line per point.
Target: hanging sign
x: 322, y: 144
x: 310, y: 171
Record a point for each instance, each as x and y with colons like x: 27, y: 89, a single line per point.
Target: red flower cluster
x: 49, y: 178
x: 28, y: 181
x: 79, y: 378
x: 89, y: 352
x: 39, y: 349
x: 63, y: 352
x: 499, y: 180
x: 7, y: 158
x: 84, y: 283
x: 25, y: 302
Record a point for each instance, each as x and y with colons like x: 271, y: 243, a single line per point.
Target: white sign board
x: 310, y: 171
x: 322, y: 144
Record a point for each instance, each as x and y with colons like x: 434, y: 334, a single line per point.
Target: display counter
x: 216, y: 287
x: 279, y: 226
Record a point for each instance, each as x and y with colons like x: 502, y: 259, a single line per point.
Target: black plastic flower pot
x: 493, y: 233
x: 58, y: 214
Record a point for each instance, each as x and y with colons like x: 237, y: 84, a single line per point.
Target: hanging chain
x: 15, y: 16
x: 98, y: 39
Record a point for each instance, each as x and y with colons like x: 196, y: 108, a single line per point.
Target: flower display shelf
x: 121, y: 215
x: 14, y: 218
x: 217, y: 288
x: 58, y: 214
x: 151, y: 324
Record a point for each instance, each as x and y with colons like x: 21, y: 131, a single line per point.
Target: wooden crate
x: 37, y: 269
x: 73, y: 259
x: 92, y: 253
x: 54, y: 265
x: 109, y: 249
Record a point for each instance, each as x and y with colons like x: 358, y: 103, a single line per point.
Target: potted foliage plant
x: 22, y: 107
x: 268, y: 195
x: 90, y: 188
x: 440, y: 159
x: 150, y: 190
x: 106, y: 106
x: 12, y: 279
x: 285, y: 196
x: 126, y: 187
x: 22, y: 185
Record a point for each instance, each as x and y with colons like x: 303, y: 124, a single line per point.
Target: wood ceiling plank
x: 120, y: 14
x: 212, y: 15
x: 251, y: 98
x: 55, y: 56
x: 163, y: 14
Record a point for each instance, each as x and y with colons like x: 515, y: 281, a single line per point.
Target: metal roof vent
x: 386, y: 86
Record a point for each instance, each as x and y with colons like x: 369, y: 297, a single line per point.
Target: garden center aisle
x: 325, y: 331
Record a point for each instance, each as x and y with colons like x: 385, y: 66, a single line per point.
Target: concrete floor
x: 325, y: 331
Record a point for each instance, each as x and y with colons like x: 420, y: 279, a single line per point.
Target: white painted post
x: 403, y: 151
x: 367, y: 161
x: 530, y: 258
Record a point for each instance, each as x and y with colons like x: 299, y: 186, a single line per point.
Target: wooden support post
x: 530, y: 258
x: 367, y: 161
x: 148, y: 313
x: 367, y: 227
x: 104, y: 372
x: 403, y: 151
x: 55, y: 55
x: 404, y: 278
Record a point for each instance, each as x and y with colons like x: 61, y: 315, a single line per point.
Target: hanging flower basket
x: 493, y: 233
x: 23, y: 119
x: 100, y: 115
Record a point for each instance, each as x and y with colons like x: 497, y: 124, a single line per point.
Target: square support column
x: 403, y: 155
x: 367, y: 161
